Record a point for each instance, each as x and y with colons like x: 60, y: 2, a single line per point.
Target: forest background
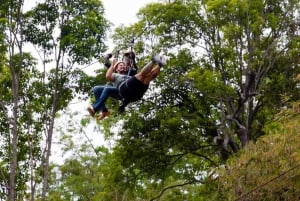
x: 221, y: 122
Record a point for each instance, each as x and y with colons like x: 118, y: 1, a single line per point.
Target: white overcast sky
x: 116, y: 11
x: 123, y: 11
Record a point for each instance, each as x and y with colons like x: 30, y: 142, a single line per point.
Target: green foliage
x: 5, y: 82
x: 268, y: 169
x: 82, y: 36
x: 82, y: 28
x: 171, y: 147
x: 40, y: 23
x: 30, y: 120
x: 210, y: 83
x: 89, y: 177
x: 228, y: 62
x: 32, y: 98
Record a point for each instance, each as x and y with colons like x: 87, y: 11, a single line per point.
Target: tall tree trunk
x: 50, y: 128
x: 15, y: 69
x: 14, y: 141
x: 48, y: 147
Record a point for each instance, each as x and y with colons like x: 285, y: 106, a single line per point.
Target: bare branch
x: 173, y: 186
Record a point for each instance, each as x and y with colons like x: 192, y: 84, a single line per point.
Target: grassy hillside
x: 270, y: 168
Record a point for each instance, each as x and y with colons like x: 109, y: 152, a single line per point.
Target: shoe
x: 160, y: 59
x: 103, y: 115
x: 91, y: 110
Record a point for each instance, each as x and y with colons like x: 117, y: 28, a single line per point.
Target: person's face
x: 121, y: 68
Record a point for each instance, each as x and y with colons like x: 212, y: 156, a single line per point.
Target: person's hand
x: 115, y: 60
x: 116, y: 54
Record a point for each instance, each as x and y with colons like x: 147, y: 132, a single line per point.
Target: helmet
x: 130, y: 53
x: 116, y: 64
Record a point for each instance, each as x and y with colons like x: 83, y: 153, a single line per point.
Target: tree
x: 268, y: 169
x: 65, y: 34
x: 232, y: 61
x: 82, y: 29
x: 246, y: 44
x: 87, y: 174
x: 12, y: 42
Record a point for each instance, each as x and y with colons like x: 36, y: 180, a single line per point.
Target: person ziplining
x: 128, y: 58
x: 129, y: 88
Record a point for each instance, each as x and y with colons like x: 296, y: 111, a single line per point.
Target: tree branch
x: 170, y: 187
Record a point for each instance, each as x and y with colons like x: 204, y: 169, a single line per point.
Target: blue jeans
x: 101, y: 94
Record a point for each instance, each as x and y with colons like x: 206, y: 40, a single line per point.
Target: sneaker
x: 91, y: 111
x: 103, y: 115
x: 160, y: 59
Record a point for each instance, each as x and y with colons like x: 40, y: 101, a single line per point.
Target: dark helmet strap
x: 131, y: 53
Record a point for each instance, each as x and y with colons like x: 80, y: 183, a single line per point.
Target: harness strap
x: 130, y: 56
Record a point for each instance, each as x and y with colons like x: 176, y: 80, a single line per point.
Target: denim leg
x: 98, y: 91
x: 100, y: 100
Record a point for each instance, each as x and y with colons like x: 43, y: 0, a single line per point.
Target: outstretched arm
x: 110, y: 71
